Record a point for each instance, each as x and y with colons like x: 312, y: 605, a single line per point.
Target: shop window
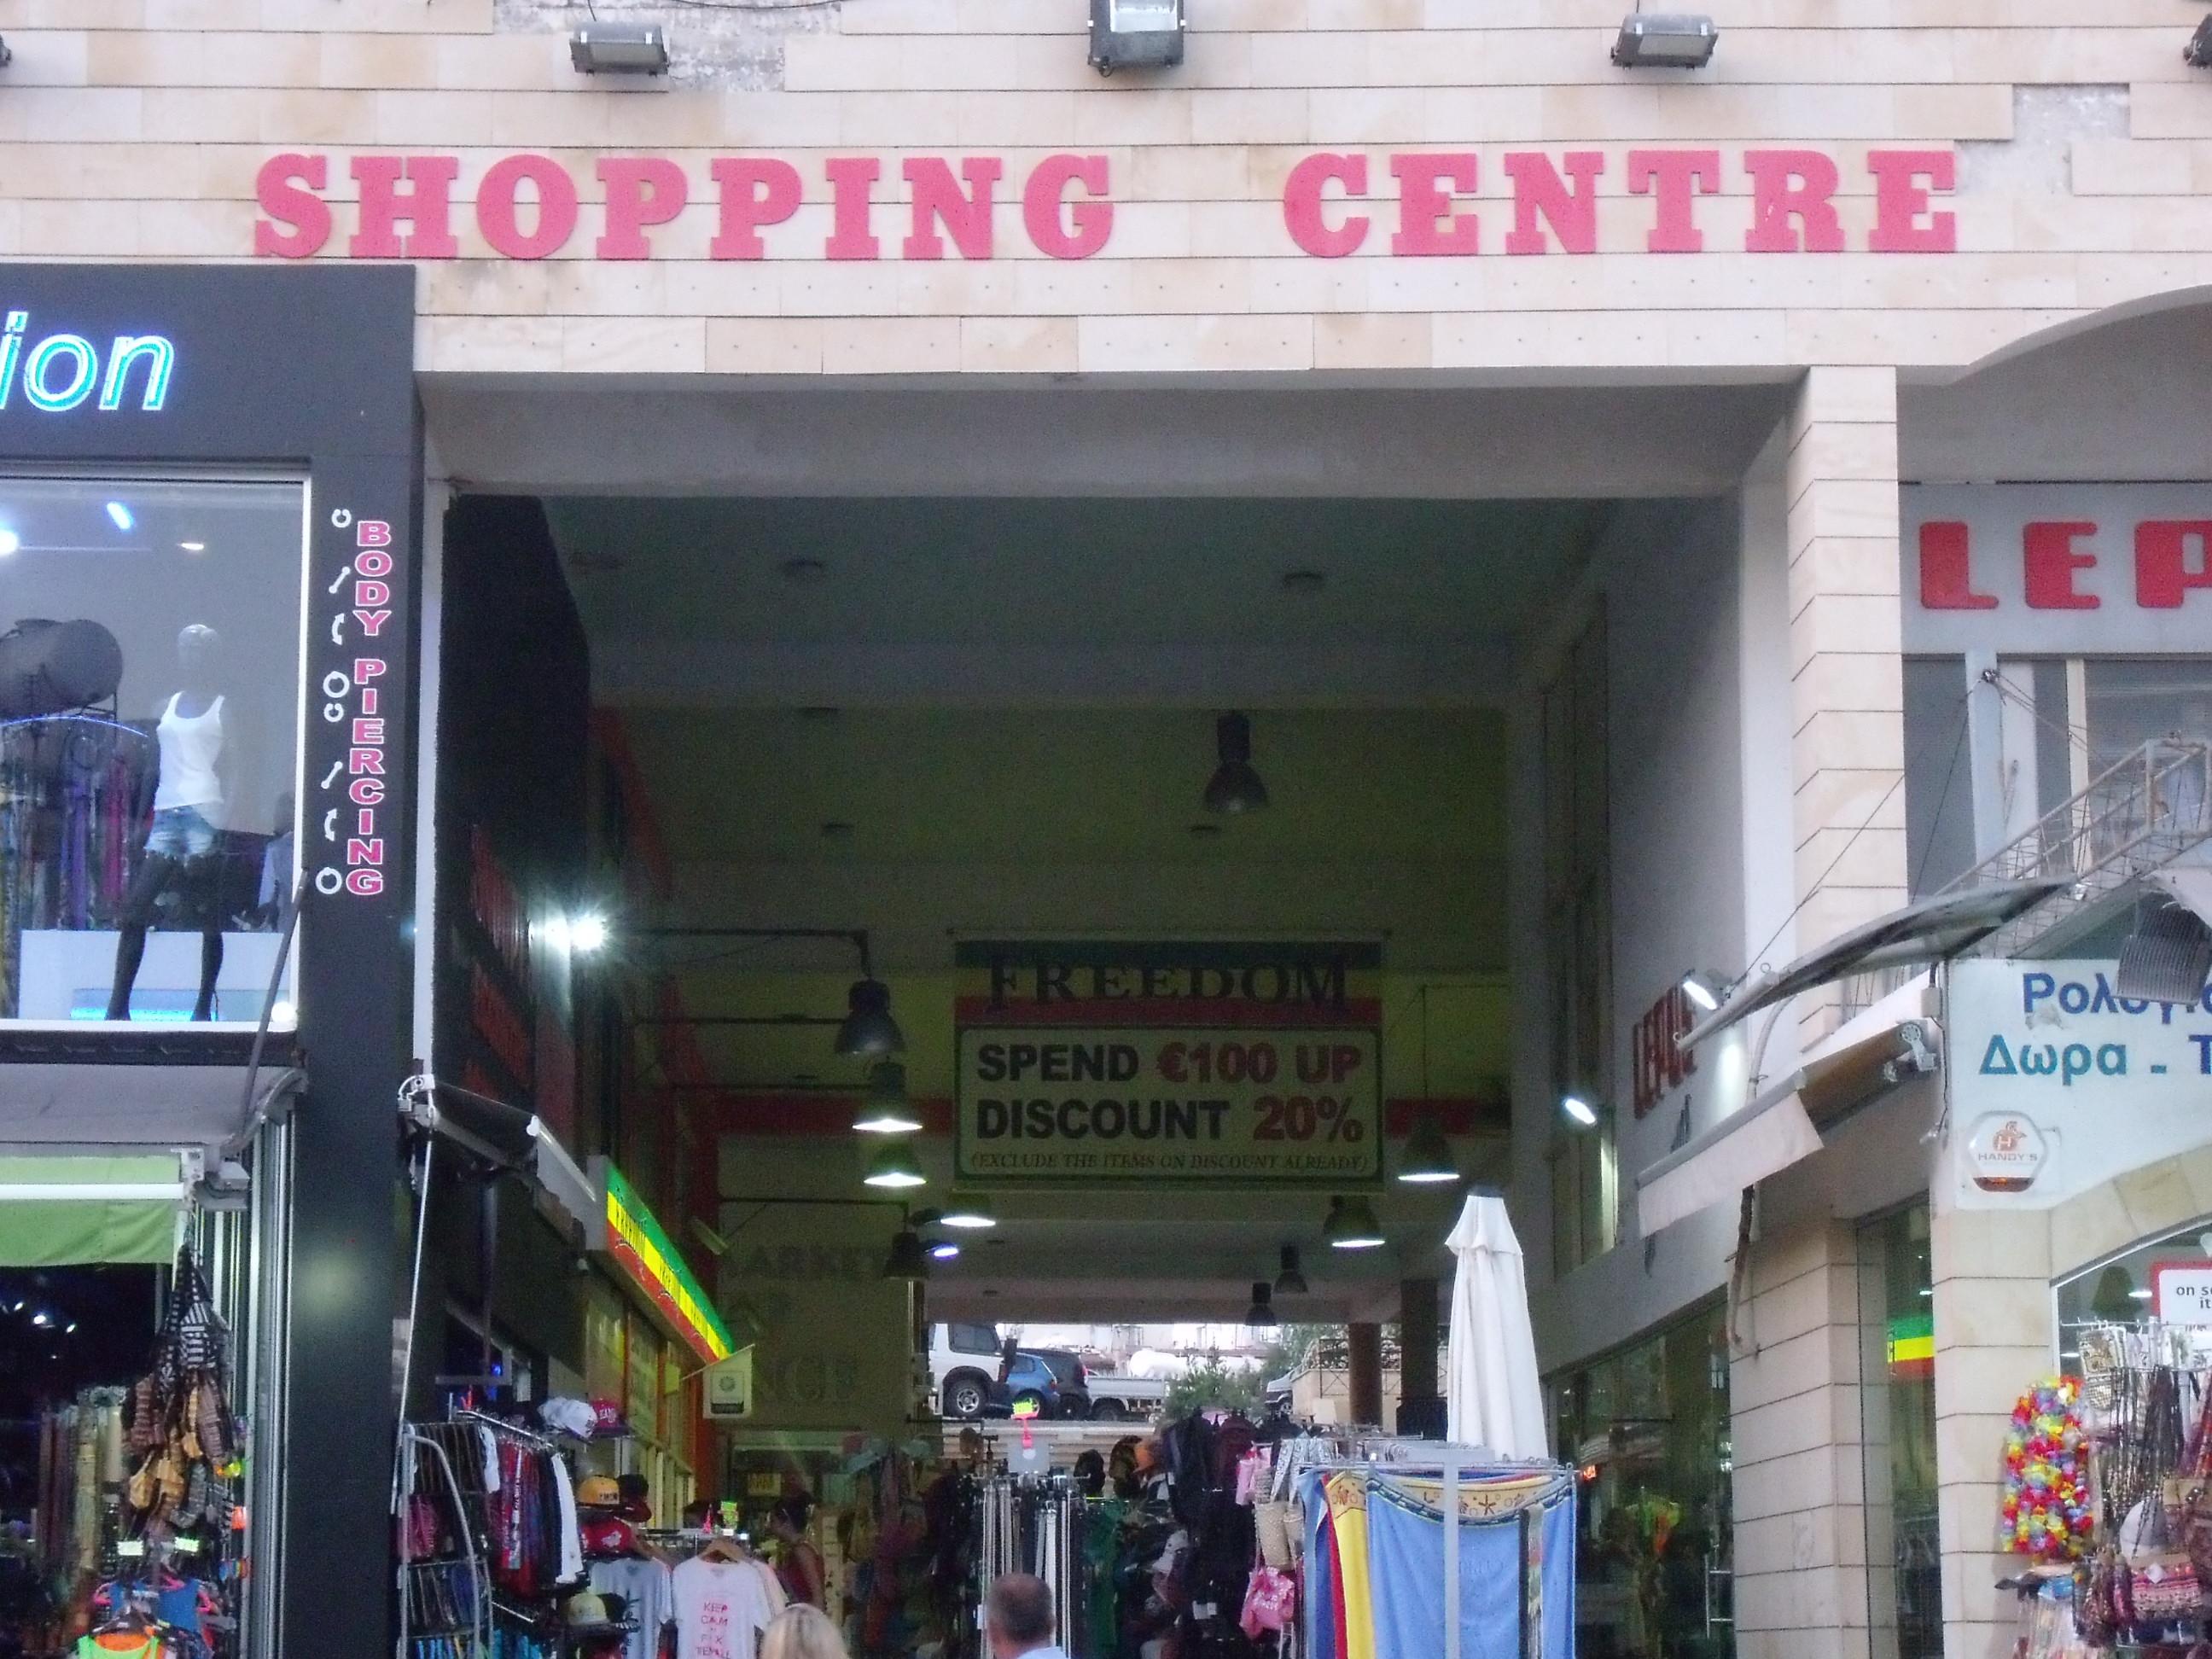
x: 1647, y: 1428
x: 1897, y: 1347
x: 2123, y: 1290
x: 149, y: 734
x: 1585, y: 1184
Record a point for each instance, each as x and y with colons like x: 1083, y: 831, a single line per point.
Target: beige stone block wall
x: 133, y: 129
x: 1800, y: 1571
x: 1847, y: 695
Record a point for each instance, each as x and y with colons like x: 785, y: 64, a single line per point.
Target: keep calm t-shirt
x: 721, y: 1607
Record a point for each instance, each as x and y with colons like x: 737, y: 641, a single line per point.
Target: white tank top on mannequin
x: 190, y: 748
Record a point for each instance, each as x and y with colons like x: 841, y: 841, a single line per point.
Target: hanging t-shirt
x: 1516, y: 1579
x: 721, y: 1607
x: 648, y: 1595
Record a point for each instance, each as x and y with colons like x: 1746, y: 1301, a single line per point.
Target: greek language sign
x: 1224, y: 1065
x: 1408, y: 204
x: 2109, y: 1082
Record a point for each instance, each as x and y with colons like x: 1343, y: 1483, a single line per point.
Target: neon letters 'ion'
x: 63, y: 370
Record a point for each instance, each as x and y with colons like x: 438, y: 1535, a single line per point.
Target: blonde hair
x: 802, y: 1632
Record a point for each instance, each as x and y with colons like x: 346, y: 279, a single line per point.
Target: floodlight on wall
x: 1235, y: 787
x: 1578, y: 1111
x: 1706, y: 989
x: 1665, y: 40
x: 1135, y: 34
x: 1292, y: 1281
x: 887, y: 1111
x: 894, y: 1168
x: 2198, y: 54
x: 597, y: 48
x: 1351, y: 1225
x: 2167, y: 958
x: 1428, y: 1158
x: 1262, y: 1316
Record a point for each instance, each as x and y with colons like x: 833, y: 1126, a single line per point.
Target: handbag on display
x: 2165, y: 1595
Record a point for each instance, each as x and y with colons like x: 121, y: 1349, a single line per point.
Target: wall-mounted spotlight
x: 1665, y: 40
x: 619, y: 49
x: 2198, y: 54
x: 1578, y: 1111
x: 587, y: 933
x: 1135, y: 34
x: 1706, y: 989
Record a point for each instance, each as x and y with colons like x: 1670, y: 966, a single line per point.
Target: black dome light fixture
x: 1235, y: 787
x: 907, y: 1258
x: 1428, y: 1160
x: 1262, y: 1316
x: 1292, y: 1281
x: 887, y: 1111
x: 868, y: 1031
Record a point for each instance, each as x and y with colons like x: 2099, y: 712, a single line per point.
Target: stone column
x: 1847, y: 690
x: 1994, y: 1317
x: 1794, y: 1393
x: 1418, y: 1392
x: 1365, y: 1343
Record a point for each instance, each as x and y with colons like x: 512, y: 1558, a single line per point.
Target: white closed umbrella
x: 1491, y: 1394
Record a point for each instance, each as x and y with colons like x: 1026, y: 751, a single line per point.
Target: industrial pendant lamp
x: 1351, y: 1225
x: 1261, y: 1316
x: 1428, y: 1159
x: 894, y: 1167
x: 887, y: 1111
x: 1292, y: 1281
x: 968, y: 1213
x: 1235, y: 787
x: 907, y: 1260
x: 869, y: 1031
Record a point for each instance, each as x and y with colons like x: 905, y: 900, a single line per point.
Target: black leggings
x: 156, y: 875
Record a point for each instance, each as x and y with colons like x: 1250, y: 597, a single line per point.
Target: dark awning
x: 1932, y: 930
x: 507, y: 1138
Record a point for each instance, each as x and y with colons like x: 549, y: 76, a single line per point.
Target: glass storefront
x: 1649, y: 1428
x: 149, y: 742
x: 1897, y: 1350
x: 2123, y: 1290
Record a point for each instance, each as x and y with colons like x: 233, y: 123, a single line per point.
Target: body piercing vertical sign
x: 347, y: 830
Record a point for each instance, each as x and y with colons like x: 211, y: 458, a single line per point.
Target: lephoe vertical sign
x: 1220, y: 1063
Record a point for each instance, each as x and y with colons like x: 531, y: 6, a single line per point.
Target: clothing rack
x: 1033, y: 1524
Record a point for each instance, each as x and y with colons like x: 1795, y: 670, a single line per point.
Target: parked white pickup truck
x: 1125, y: 1399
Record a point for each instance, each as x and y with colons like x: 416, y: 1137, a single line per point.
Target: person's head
x: 1090, y: 1473
x: 787, y: 1520
x: 801, y: 1632
x: 285, y: 810
x: 1019, y: 1615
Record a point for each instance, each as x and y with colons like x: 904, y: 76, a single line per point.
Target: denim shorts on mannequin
x: 181, y: 832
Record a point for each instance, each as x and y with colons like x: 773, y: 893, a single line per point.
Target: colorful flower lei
x: 2046, y: 1488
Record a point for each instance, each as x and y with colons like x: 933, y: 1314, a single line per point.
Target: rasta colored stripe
x: 636, y: 1240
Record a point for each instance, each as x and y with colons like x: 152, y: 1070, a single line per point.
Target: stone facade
x: 136, y: 129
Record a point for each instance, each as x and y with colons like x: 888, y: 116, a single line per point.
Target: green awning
x: 65, y: 1212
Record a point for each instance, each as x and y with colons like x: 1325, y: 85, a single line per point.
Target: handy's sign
x: 1232, y: 1065
x: 925, y: 207
x: 2062, y: 1084
x: 2058, y: 570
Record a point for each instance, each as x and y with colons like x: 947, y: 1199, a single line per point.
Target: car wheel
x: 1109, y: 1410
x: 964, y: 1397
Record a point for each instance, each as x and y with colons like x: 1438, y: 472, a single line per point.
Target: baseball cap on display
x: 608, y: 1535
x: 598, y: 1492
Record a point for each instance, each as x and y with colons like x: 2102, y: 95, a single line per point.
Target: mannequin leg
x: 211, y: 966
x: 154, y: 876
